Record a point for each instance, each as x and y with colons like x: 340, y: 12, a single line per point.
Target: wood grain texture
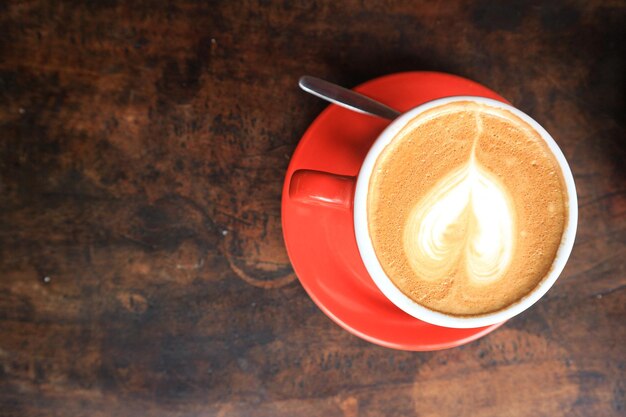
x: 142, y: 153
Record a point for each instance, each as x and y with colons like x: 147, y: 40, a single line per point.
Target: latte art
x: 466, y: 220
x: 466, y: 209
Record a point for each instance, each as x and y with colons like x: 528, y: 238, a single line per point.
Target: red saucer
x: 320, y: 241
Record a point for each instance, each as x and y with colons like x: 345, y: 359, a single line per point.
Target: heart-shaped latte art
x: 466, y: 220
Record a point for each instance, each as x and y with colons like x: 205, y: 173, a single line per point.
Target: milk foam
x: 466, y: 220
x: 466, y: 208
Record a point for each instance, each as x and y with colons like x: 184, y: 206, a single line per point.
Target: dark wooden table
x: 142, y: 153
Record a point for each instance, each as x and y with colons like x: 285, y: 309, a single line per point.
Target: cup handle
x: 322, y: 188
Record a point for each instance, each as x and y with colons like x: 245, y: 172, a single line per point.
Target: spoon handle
x: 346, y: 98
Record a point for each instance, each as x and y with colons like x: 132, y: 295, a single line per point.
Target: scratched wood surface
x: 142, y: 153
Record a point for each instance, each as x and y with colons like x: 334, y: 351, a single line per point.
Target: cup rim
x: 384, y: 283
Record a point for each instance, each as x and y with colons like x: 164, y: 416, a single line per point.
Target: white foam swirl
x: 466, y: 220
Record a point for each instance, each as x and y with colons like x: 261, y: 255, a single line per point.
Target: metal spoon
x: 346, y: 98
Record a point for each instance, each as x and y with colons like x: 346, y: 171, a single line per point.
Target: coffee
x: 466, y: 209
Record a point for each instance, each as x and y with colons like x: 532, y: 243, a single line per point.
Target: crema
x: 466, y: 209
